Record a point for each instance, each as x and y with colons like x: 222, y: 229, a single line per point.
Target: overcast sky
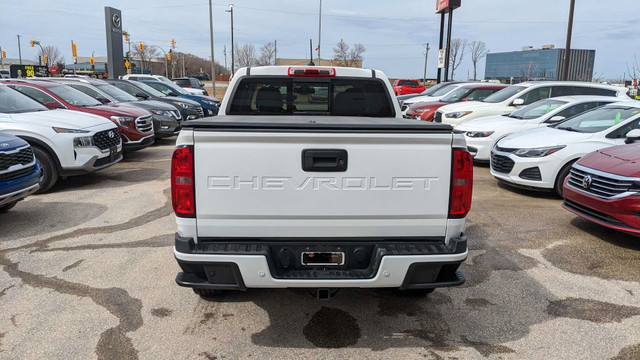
x: 393, y: 32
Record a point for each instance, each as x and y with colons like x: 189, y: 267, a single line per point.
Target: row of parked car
x: 576, y: 139
x: 51, y: 128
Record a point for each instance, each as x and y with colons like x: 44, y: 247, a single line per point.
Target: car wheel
x: 49, y: 175
x: 208, y: 292
x: 564, y: 172
x: 7, y: 207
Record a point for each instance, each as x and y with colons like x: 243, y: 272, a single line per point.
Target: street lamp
x: 233, y: 67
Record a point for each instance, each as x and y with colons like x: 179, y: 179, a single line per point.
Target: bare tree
x: 529, y: 72
x: 267, y: 54
x: 146, y: 55
x: 456, y: 55
x: 346, y: 56
x: 245, y: 55
x: 53, y: 54
x: 478, y: 51
x: 194, y: 64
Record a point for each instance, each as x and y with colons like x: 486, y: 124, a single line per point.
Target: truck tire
x: 208, y: 292
x: 562, y: 174
x: 48, y: 168
x: 7, y: 207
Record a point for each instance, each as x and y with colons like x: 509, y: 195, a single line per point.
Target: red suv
x: 604, y: 187
x: 135, y: 125
x: 407, y: 86
x: 425, y: 111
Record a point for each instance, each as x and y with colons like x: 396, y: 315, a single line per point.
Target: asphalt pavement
x: 87, y: 271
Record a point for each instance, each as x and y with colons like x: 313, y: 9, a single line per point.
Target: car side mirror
x: 632, y: 136
x: 103, y: 100
x: 142, y: 96
x: 556, y: 119
x: 518, y: 102
x: 173, y: 93
x: 52, y: 105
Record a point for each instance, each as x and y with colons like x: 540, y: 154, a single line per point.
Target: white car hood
x: 68, y: 119
x: 542, y: 137
x: 465, y: 106
x: 423, y: 98
x: 489, y: 123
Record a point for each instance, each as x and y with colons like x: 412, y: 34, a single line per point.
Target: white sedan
x: 541, y: 158
x: 484, y: 133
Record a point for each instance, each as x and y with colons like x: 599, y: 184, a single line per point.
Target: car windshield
x: 599, y: 119
x: 116, y: 93
x: 433, y: 89
x: 504, y: 94
x: 12, y: 102
x: 444, y: 90
x: 148, y: 89
x: 166, y: 88
x: 537, y: 109
x: 457, y: 95
x: 73, y: 96
x: 164, y: 79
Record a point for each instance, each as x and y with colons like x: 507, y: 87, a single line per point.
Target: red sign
x: 446, y: 5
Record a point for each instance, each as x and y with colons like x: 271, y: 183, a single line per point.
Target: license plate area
x: 319, y: 258
x: 113, y: 153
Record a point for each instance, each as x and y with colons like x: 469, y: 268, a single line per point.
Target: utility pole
x: 319, y: 31
x: 567, y: 49
x: 275, y: 52
x: 424, y: 76
x: 224, y: 50
x: 213, y: 61
x: 183, y: 73
x: 233, y: 64
x: 1, y: 59
x: 19, y: 50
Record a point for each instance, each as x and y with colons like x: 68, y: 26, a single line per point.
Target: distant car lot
x: 94, y: 257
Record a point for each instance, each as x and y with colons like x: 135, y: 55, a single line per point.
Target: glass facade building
x: 539, y: 64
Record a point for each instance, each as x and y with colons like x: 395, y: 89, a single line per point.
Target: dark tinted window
x: 182, y: 82
x: 407, y: 83
x: 536, y: 94
x: 581, y: 90
x: 578, y: 109
x: 287, y: 96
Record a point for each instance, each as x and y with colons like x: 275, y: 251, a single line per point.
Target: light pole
x: 19, y: 51
x: 166, y: 60
x: 424, y: 76
x: 213, y: 62
x: 567, y: 50
x: 233, y: 64
x: 319, y: 31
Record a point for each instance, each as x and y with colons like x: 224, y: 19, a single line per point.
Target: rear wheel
x: 7, y: 207
x: 562, y: 174
x: 48, y: 168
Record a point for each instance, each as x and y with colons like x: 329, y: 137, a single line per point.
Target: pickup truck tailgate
x: 251, y: 183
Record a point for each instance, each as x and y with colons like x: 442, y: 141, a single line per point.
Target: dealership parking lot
x: 88, y: 271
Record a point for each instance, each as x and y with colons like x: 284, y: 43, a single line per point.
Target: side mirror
x: 556, y: 119
x: 142, y: 96
x: 518, y: 102
x: 632, y: 136
x: 103, y: 100
x: 52, y: 105
x: 173, y: 93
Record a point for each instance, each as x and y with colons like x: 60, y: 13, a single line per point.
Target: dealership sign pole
x: 443, y: 7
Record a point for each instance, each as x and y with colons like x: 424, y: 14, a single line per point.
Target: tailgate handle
x: 324, y: 160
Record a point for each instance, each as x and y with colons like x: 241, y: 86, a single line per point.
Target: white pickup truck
x: 310, y: 178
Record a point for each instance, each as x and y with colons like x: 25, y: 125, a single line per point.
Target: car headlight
x: 539, y: 152
x: 183, y: 105
x: 162, y: 112
x: 122, y: 120
x: 69, y: 131
x: 209, y: 102
x: 479, y: 134
x: 83, y: 141
x: 457, y: 115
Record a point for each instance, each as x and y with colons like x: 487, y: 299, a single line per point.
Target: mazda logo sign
x: 116, y: 20
x: 586, y: 182
x: 112, y: 134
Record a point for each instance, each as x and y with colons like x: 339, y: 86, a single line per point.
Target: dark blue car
x: 19, y: 172
x: 209, y: 104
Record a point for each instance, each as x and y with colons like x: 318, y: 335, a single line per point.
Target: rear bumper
x: 238, y: 266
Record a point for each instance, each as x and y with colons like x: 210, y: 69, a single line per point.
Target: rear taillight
x: 461, y: 184
x: 182, y: 185
x: 312, y: 71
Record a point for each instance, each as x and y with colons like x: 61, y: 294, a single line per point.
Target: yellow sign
x: 127, y: 63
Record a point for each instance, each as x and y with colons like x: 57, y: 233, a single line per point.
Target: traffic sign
x: 442, y: 53
x: 127, y: 63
